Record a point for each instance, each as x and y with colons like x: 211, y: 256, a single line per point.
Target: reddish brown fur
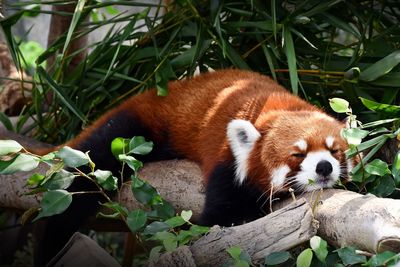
x: 197, y: 111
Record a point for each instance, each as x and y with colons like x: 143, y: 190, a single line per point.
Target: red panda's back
x: 196, y: 111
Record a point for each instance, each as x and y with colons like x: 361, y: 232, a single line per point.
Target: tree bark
x: 350, y: 219
x: 278, y: 231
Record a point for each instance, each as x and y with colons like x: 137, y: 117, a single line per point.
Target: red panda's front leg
x: 230, y: 198
x: 229, y: 203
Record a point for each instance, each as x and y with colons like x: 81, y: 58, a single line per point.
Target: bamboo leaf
x: 74, y: 22
x: 60, y: 93
x: 381, y: 67
x: 392, y: 110
x: 291, y: 58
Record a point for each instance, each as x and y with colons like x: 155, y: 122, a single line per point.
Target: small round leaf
x: 339, y: 105
x: 54, y: 202
x: 305, y: 258
x: 136, y: 220
x: 9, y: 146
x: 72, y: 157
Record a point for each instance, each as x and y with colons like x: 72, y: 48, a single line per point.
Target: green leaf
x: 175, y: 221
x: 60, y: 93
x: 156, y: 227
x: 119, y: 146
x: 365, y: 145
x: 391, y: 110
x: 385, y: 186
x: 20, y: 163
x: 234, y: 252
x: 199, y: 230
x: 381, y: 67
x: 186, y: 215
x: 161, y: 209
x: 320, y: 247
x: 396, y: 169
x: 74, y: 23
x: 155, y: 253
x: 170, y: 244
x: 59, y: 180
x: 136, y: 220
x: 291, y: 58
x: 378, y: 122
x: 344, y: 25
x: 381, y: 259
x: 184, y: 237
x: 5, y: 120
x: 35, y: 179
x: 48, y: 157
x: 144, y: 192
x: 305, y: 258
x: 276, y: 258
x: 349, y: 256
x: 241, y: 263
x: 354, y: 136
x: 116, y: 207
x: 391, y: 79
x: 72, y: 158
x: 139, y: 146
x: 164, y: 74
x: 133, y: 163
x: 163, y: 236
x: 9, y: 146
x: 377, y: 167
x: 106, y: 180
x: 339, y: 105
x: 54, y: 202
x: 235, y: 57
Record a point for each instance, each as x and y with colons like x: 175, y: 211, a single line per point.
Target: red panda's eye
x: 334, y: 151
x: 299, y: 155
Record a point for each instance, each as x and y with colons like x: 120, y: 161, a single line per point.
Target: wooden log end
x: 391, y: 244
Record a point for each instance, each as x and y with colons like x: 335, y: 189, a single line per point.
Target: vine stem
x: 93, y: 181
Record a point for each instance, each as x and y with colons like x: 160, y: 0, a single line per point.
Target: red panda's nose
x: 324, y: 168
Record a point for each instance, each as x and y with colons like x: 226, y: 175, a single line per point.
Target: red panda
x: 248, y: 134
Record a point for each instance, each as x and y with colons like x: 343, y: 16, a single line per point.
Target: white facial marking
x: 329, y: 141
x: 242, y: 136
x: 278, y: 175
x: 308, y: 171
x: 301, y: 144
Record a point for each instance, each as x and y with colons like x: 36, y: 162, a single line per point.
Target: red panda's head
x: 299, y: 149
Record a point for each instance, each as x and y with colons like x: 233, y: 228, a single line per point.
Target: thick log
x: 278, y: 231
x: 350, y: 219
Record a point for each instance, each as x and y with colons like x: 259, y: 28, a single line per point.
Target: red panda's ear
x: 242, y: 136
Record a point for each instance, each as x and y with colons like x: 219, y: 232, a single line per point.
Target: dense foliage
x: 318, y: 49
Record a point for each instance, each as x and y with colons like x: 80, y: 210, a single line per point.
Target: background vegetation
x: 316, y: 49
